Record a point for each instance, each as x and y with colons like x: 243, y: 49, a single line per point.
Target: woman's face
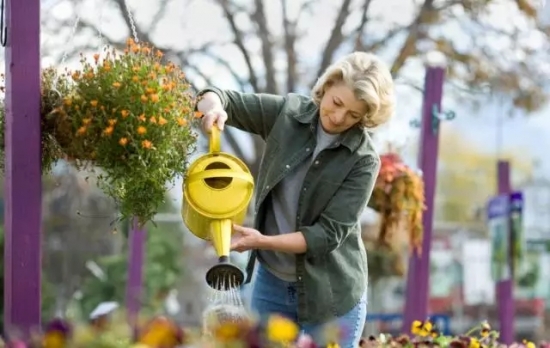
x: 340, y: 110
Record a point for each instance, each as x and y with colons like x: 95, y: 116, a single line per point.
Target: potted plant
x: 398, y: 197
x: 125, y: 114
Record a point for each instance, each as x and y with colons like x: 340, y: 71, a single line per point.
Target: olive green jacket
x: 332, y: 274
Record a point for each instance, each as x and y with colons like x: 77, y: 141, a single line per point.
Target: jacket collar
x: 351, y: 138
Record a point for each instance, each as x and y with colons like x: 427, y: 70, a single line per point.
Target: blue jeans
x: 272, y: 295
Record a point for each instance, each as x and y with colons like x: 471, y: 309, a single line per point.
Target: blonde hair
x: 369, y: 78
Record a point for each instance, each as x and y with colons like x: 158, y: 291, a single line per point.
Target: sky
x: 190, y: 23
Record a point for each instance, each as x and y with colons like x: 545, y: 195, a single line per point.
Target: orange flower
x: 154, y: 98
x: 159, y: 54
x: 146, y: 144
x: 143, y: 98
x: 142, y: 118
x: 123, y: 141
x: 162, y: 121
x: 153, y: 119
x: 68, y: 101
x: 81, y: 130
x: 117, y: 84
x: 124, y: 113
x: 112, y: 121
x: 130, y: 42
x: 76, y: 75
x: 181, y: 121
x: 96, y: 57
x: 135, y: 78
x: 108, y: 130
x: 86, y: 120
x: 198, y: 114
x: 93, y: 103
x: 150, y: 90
x: 141, y: 130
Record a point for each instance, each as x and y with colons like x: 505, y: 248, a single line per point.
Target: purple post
x: 23, y: 186
x: 505, y: 288
x: 135, y: 270
x: 418, y: 277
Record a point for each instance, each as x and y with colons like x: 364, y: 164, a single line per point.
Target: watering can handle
x: 215, y: 141
x: 219, y: 173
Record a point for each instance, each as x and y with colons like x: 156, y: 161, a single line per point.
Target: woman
x: 316, y: 177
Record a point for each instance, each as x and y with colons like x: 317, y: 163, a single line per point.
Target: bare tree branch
x: 290, y: 50
x: 362, y: 25
x: 239, y: 41
x: 157, y: 17
x: 258, y: 17
x: 336, y: 37
x: 416, y: 31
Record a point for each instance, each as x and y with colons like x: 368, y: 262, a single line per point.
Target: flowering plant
x: 276, y: 331
x: 127, y: 114
x: 398, y: 196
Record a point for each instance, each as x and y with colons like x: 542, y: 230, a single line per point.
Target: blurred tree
x: 467, y: 177
x: 492, y: 46
x: 78, y: 225
x: 163, y: 268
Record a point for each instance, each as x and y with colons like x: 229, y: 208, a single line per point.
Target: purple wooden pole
x: 23, y: 186
x: 135, y: 271
x: 505, y: 288
x: 418, y: 277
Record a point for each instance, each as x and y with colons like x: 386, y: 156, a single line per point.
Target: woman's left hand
x: 245, y: 238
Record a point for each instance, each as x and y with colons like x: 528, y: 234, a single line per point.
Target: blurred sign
x: 498, y: 223
x: 478, y: 288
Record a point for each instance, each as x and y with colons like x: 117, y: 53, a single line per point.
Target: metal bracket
x: 437, y: 117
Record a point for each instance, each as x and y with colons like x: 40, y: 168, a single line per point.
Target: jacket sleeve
x: 341, y: 216
x: 250, y: 112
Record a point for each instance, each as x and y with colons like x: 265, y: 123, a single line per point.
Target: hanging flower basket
x: 127, y: 114
x: 398, y: 197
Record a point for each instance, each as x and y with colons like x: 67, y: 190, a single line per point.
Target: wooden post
x: 23, y: 186
x: 418, y: 277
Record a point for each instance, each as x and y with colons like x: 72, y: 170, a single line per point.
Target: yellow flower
x: 474, y: 343
x: 117, y: 84
x: 123, y: 141
x: 124, y: 113
x: 227, y: 332
x: 529, y: 344
x: 421, y: 329
x: 141, y: 130
x: 485, y: 329
x: 86, y: 121
x: 333, y: 345
x: 281, y: 329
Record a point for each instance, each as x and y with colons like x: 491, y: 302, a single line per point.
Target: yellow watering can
x: 216, y: 193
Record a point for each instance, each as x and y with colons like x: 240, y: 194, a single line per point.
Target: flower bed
x: 275, y: 332
x: 126, y: 114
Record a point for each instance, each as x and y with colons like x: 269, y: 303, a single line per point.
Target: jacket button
x: 287, y: 166
x: 308, y: 149
x: 267, y: 187
x: 316, y: 162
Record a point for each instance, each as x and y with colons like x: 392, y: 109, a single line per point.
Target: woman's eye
x: 336, y: 102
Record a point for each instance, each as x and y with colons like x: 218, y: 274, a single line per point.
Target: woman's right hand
x: 211, y: 107
x: 215, y: 115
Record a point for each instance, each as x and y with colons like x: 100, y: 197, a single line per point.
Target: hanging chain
x: 131, y: 20
x: 71, y: 38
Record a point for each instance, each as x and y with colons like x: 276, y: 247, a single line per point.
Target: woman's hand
x: 245, y: 238
x: 211, y: 107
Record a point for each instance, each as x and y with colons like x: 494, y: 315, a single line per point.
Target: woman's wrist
x: 209, y: 101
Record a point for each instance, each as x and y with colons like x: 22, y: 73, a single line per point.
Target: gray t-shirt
x: 281, y: 211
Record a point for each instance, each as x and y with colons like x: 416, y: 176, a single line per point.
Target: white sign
x: 478, y: 286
